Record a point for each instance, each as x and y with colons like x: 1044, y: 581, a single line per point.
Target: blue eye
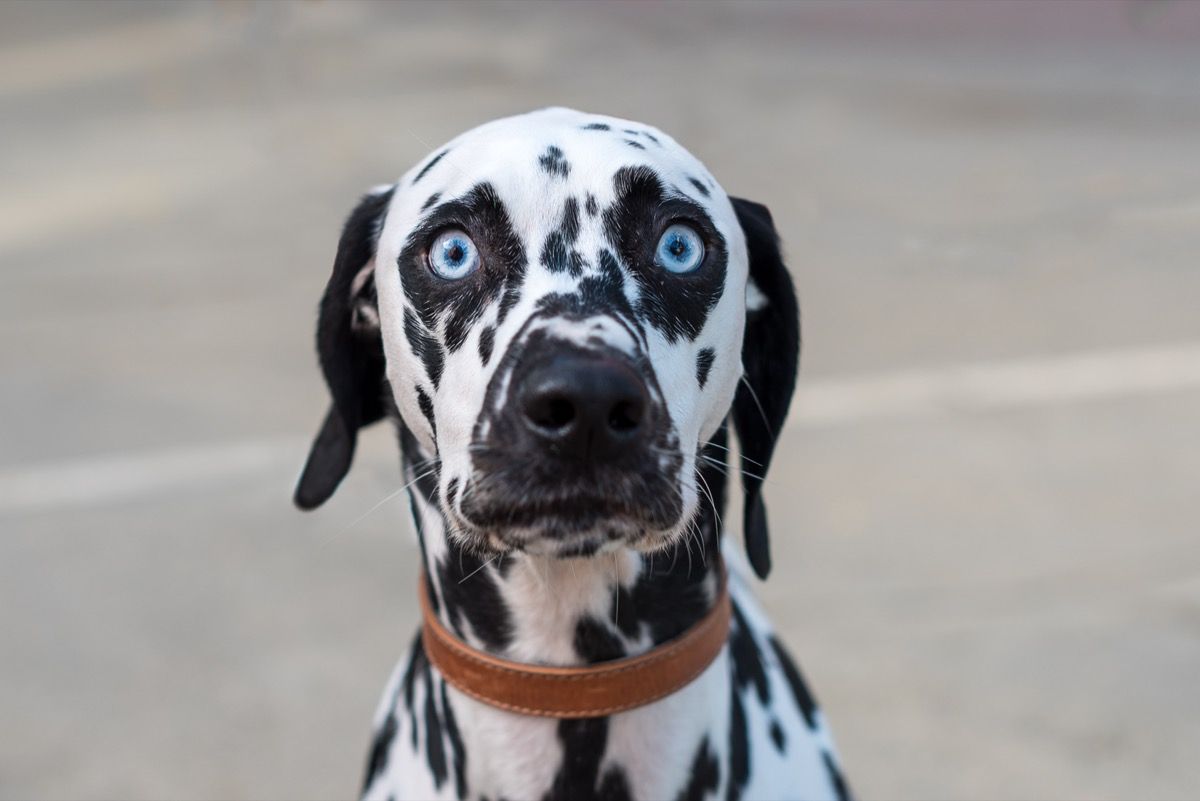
x: 680, y: 249
x: 453, y: 255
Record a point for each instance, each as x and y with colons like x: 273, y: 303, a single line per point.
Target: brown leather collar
x: 577, y: 692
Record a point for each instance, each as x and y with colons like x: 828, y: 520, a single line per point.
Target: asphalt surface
x: 985, y: 508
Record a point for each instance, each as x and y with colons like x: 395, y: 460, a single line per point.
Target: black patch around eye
x: 487, y: 340
x: 632, y: 143
x: 482, y: 214
x: 424, y: 346
x: 704, y: 363
x: 701, y: 188
x: 426, y: 407
x: 676, y: 305
x: 429, y: 166
x: 552, y: 161
x: 595, y: 126
x: 592, y: 207
x: 432, y: 199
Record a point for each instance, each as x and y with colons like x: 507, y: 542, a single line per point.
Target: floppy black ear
x: 351, y: 353
x: 770, y: 358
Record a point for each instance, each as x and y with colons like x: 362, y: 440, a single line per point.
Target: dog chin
x: 560, y: 539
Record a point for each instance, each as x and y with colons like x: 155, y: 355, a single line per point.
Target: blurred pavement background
x: 985, y: 512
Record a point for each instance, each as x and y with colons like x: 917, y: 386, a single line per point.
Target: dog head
x: 563, y: 308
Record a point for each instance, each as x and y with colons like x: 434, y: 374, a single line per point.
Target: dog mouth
x: 576, y: 517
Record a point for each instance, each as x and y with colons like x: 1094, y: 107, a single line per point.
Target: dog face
x: 558, y: 302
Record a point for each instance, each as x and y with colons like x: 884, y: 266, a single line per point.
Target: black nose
x: 588, y: 407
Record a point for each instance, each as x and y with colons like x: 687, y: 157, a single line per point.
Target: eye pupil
x: 453, y: 255
x: 680, y: 249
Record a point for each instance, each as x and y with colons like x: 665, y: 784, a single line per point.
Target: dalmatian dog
x: 565, y: 317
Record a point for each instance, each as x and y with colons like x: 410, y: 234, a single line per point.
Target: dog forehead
x: 533, y: 160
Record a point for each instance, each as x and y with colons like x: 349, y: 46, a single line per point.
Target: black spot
x: 701, y: 188
x: 677, y: 305
x: 435, y: 754
x: 631, y: 132
x: 429, y: 166
x: 596, y: 126
x: 552, y: 161
x: 777, y: 736
x: 705, y: 775
x: 570, y: 220
x: 458, y: 753
x: 557, y: 254
x: 583, y: 742
x: 592, y: 207
x: 381, y: 745
x: 704, y: 363
x: 840, y: 788
x: 471, y: 594
x: 424, y: 346
x: 451, y: 490
x: 739, y: 749
x: 595, y: 641
x: 614, y: 786
x: 633, y: 144
x: 651, y: 137
x: 416, y: 661
x: 487, y: 340
x: 432, y: 199
x: 804, y: 699
x: 748, y: 666
x: 461, y: 303
x: 426, y: 406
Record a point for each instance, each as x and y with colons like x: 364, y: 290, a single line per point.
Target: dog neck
x: 567, y: 611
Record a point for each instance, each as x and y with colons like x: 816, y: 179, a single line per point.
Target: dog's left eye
x: 680, y: 249
x: 453, y: 255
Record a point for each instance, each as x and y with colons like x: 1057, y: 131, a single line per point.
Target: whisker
x: 727, y: 449
x: 476, y: 570
x: 758, y: 403
x: 391, y: 495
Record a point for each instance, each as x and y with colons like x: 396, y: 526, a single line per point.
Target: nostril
x: 559, y: 413
x: 625, y: 416
x: 551, y: 412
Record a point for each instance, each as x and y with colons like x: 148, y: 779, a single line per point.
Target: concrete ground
x: 986, y: 506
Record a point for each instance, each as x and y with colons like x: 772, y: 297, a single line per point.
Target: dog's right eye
x: 453, y: 255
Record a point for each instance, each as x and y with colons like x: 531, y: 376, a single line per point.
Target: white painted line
x: 932, y: 393
x: 1018, y: 383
